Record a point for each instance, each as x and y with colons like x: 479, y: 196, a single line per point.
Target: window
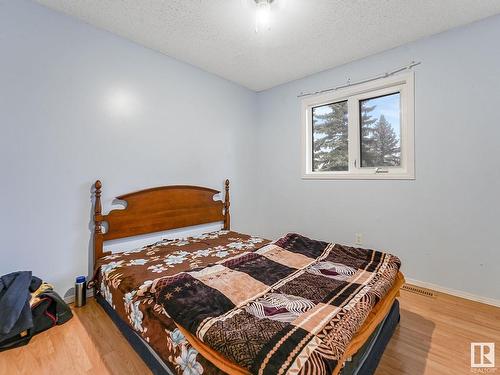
x: 329, y: 137
x: 361, y: 132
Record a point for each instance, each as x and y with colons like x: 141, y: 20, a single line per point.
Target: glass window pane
x: 380, y: 121
x: 329, y: 138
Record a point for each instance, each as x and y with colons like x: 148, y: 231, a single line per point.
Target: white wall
x: 444, y: 225
x: 58, y: 78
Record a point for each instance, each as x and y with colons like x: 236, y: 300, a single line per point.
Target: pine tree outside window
x: 361, y: 132
x: 330, y: 137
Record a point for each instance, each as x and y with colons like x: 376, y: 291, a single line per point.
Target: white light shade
x: 263, y: 16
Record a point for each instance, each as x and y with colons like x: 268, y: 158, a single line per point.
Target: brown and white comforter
x: 291, y: 306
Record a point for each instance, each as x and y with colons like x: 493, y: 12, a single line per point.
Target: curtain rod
x: 349, y: 83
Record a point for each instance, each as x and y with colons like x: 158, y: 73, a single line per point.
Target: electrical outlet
x: 358, y: 238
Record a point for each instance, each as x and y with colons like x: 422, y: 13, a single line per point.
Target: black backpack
x: 48, y: 311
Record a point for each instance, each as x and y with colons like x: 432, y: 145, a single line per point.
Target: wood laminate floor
x: 433, y: 338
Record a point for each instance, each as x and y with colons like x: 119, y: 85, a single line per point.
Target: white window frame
x: 402, y: 83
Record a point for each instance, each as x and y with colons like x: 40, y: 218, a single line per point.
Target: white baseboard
x: 454, y: 292
x: 71, y: 298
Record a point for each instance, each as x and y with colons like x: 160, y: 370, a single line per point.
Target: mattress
x: 364, y: 362
x: 127, y: 283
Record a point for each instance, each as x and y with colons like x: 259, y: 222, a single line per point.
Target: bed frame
x: 158, y: 209
x: 170, y: 207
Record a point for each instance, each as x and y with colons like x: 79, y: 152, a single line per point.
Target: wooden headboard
x: 158, y: 209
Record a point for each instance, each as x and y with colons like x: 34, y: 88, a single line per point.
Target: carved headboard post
x: 98, y: 236
x: 227, y: 216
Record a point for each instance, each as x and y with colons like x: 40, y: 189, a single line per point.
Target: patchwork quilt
x: 291, y: 306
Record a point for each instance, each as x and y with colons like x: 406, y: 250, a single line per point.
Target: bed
x: 144, y: 291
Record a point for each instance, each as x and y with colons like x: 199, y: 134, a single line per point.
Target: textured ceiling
x: 307, y: 36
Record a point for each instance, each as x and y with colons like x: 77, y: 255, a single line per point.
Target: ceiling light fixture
x: 263, y: 15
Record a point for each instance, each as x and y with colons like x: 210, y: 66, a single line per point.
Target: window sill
x: 358, y: 176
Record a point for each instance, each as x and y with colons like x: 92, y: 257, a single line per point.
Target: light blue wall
x: 58, y: 136
x: 57, y: 76
x: 445, y: 225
